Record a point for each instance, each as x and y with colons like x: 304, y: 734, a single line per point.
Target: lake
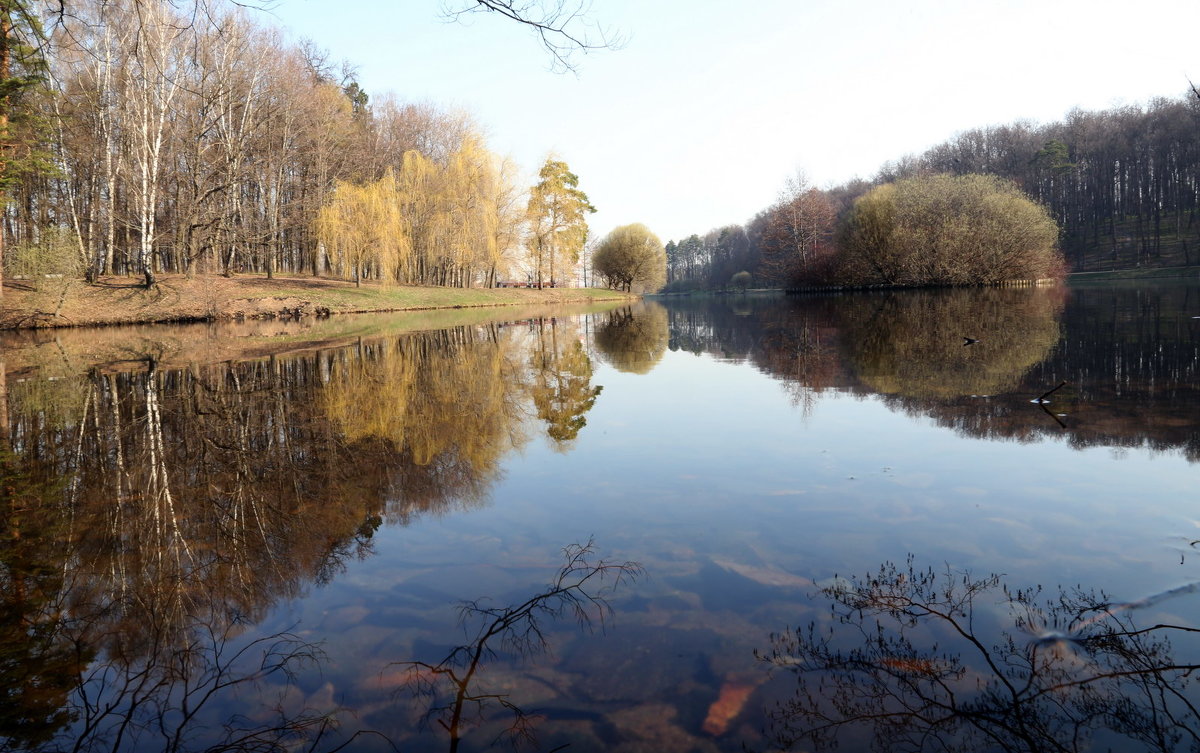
x: 918, y: 520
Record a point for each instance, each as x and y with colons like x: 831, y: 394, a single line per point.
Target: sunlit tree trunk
x: 156, y: 83
x: 4, y: 427
x: 5, y: 104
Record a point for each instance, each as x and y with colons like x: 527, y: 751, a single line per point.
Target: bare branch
x: 563, y: 27
x: 580, y: 589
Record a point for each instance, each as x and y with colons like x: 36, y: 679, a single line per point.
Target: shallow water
x: 979, y: 571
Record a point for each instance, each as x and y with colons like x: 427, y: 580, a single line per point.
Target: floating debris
x: 1042, y: 399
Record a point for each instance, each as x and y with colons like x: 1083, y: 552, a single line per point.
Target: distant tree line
x: 1123, y: 185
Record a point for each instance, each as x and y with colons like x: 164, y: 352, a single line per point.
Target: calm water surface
x: 851, y: 526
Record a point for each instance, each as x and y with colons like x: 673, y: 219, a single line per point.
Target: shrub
x: 947, y: 230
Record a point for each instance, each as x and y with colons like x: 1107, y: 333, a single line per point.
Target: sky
x: 707, y: 108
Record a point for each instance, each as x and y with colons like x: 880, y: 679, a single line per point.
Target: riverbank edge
x: 181, y: 300
x: 874, y: 287
x: 1151, y: 273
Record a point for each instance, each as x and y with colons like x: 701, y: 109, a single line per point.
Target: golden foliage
x: 557, y: 214
x: 429, y: 223
x: 631, y: 258
x: 912, y: 343
x: 948, y: 230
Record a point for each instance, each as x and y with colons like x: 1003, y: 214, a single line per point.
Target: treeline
x: 153, y: 136
x: 1122, y: 184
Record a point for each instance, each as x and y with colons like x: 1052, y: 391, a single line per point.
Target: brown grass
x: 176, y: 298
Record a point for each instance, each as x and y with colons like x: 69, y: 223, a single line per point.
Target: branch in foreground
x: 579, y: 590
x: 563, y: 27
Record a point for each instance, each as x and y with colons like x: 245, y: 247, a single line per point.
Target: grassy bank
x: 120, y: 300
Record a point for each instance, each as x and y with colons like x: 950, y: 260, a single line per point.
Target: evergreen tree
x: 557, y: 213
x: 22, y: 72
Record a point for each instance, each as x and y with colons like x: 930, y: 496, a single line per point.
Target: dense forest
x: 150, y: 137
x: 1123, y: 185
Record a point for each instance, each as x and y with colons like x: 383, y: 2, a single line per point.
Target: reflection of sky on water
x: 701, y: 466
x: 739, y: 487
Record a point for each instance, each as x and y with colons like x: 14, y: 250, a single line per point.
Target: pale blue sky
x: 709, y: 107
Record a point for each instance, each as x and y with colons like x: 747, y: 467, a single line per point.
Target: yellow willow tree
x: 433, y: 222
x: 471, y: 192
x: 452, y: 215
x: 360, y: 229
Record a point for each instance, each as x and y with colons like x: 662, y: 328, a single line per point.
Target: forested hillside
x: 1123, y: 184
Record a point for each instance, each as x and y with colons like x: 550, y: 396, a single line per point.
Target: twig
x: 1048, y: 393
x: 1049, y: 413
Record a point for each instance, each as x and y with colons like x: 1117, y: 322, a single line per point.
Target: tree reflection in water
x: 1130, y: 355
x: 150, y: 515
x: 911, y: 344
x: 917, y: 659
x: 579, y: 590
x: 634, y: 339
x: 561, y: 380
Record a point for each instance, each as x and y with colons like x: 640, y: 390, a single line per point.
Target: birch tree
x: 155, y: 68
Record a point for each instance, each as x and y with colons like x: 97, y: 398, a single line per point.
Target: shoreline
x: 67, y: 352
x: 177, y: 299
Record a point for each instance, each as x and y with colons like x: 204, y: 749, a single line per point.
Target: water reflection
x: 434, y: 413
x: 915, y: 345
x: 634, y: 339
x: 155, y: 515
x: 1130, y: 357
x: 151, y: 515
x: 561, y: 384
x: 915, y: 658
x: 39, y: 662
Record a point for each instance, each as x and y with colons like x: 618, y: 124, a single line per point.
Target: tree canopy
x: 557, y: 217
x: 631, y: 258
x: 947, y: 230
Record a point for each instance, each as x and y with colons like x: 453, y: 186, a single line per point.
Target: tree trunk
x: 5, y: 74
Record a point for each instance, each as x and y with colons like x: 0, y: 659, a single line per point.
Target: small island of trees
x: 933, y: 229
